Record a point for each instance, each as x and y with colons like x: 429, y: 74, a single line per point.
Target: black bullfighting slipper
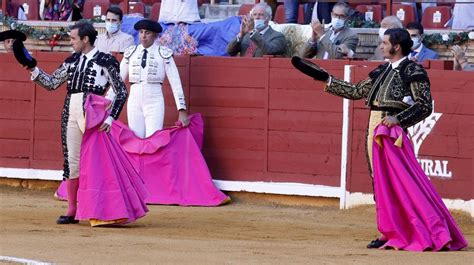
x: 377, y: 243
x: 309, y: 68
x: 64, y: 220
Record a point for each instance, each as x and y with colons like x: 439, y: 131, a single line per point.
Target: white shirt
x: 332, y: 38
x: 116, y: 42
x: 173, y: 11
x: 463, y: 15
x: 397, y: 63
x: 261, y: 32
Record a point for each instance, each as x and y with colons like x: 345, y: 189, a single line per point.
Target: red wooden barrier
x: 264, y: 121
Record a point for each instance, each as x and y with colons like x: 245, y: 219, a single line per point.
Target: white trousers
x: 145, y: 109
x: 75, y: 129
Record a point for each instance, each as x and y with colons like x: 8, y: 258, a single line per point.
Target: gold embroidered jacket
x: 405, y: 89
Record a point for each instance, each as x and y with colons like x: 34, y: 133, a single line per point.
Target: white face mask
x: 338, y: 23
x: 111, y: 27
x: 259, y: 24
x: 416, y: 43
x: 381, y: 32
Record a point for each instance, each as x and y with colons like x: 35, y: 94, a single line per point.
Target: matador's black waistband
x: 160, y: 83
x: 385, y: 109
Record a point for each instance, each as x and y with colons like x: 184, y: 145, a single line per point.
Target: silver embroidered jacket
x: 100, y: 72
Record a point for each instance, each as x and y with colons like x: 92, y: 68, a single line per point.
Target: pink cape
x: 170, y: 163
x: 109, y: 187
x: 410, y: 213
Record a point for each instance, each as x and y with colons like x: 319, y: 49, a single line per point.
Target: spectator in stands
x: 463, y: 15
x: 114, y: 40
x: 61, y: 10
x: 389, y: 22
x: 419, y: 52
x: 8, y: 37
x: 460, y: 59
x: 8, y: 45
x: 21, y: 15
x: 256, y: 38
x: 339, y: 41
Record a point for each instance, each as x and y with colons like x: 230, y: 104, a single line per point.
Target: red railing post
x: 389, y: 7
x: 4, y: 7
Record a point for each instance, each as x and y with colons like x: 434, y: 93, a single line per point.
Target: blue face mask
x: 111, y: 27
x: 416, y: 43
x: 338, y: 23
x: 259, y: 24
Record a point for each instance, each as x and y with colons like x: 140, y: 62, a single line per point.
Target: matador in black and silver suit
x: 87, y: 71
x: 85, y: 74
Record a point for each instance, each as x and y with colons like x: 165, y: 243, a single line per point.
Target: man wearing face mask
x: 390, y: 22
x: 419, y: 52
x: 337, y: 42
x: 114, y: 40
x: 256, y: 38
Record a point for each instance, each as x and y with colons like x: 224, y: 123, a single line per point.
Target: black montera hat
x: 22, y: 55
x: 148, y: 25
x: 12, y: 34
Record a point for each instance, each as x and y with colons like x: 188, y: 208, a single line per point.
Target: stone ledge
x: 33, y: 184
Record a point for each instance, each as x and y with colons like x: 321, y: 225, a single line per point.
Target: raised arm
x: 50, y: 82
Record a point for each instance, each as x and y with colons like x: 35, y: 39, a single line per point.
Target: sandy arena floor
x: 239, y: 233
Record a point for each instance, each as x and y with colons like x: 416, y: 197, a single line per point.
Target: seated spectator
x: 460, y: 59
x: 389, y: 22
x: 256, y: 38
x: 61, y: 10
x: 8, y: 37
x: 8, y: 45
x: 419, y: 52
x: 114, y: 40
x: 21, y: 13
x: 463, y: 15
x: 339, y: 41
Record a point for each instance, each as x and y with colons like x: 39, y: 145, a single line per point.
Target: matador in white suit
x: 146, y: 66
